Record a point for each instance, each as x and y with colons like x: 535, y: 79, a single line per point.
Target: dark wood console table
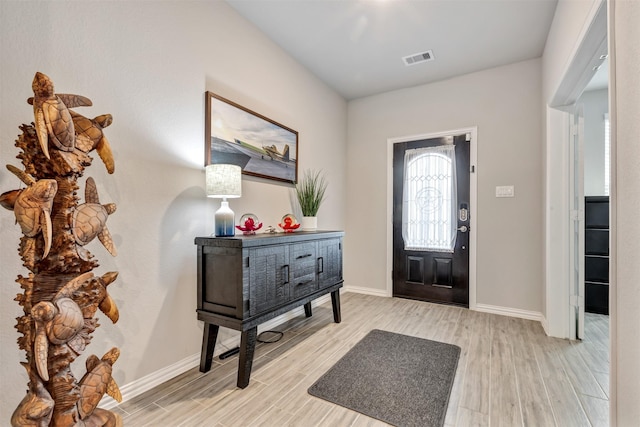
x: 244, y: 281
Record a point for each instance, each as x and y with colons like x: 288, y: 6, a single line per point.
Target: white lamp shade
x: 223, y: 181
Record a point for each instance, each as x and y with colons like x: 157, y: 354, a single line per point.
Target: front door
x: 431, y: 219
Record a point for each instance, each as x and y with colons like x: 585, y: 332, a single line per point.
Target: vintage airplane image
x: 260, y: 146
x: 255, y: 160
x: 274, y: 154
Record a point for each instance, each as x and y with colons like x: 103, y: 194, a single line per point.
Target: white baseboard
x: 545, y: 325
x: 139, y: 386
x: 146, y: 383
x: 504, y: 311
x: 366, y: 291
x: 508, y: 311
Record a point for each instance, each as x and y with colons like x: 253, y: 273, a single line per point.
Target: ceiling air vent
x: 418, y: 58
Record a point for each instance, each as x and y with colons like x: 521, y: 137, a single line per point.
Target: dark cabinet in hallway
x: 596, y: 249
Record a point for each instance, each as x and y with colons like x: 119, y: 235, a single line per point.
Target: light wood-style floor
x: 509, y: 374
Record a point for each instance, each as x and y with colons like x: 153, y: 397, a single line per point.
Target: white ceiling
x: 356, y: 46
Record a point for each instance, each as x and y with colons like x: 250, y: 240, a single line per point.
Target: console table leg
x: 247, y: 347
x: 335, y: 302
x: 307, y: 309
x: 209, y: 336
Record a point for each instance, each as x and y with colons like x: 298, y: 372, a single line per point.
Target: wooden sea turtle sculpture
x: 108, y: 305
x: 52, y: 117
x: 99, y: 297
x: 97, y: 381
x: 36, y: 408
x: 95, y: 139
x: 103, y: 418
x: 8, y: 199
x: 57, y: 321
x: 32, y: 205
x: 90, y: 220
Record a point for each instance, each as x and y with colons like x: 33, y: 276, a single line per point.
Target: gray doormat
x: 398, y: 379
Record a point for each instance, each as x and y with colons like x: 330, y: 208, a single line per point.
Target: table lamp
x: 224, y: 181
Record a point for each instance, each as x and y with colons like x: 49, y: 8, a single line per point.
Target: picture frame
x: 236, y: 135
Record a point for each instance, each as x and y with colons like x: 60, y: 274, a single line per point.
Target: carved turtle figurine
x: 95, y: 139
x: 36, y: 408
x: 90, y: 219
x: 8, y: 199
x: 108, y: 305
x: 52, y: 118
x: 97, y: 296
x: 57, y: 321
x: 97, y: 381
x: 32, y: 205
x: 103, y: 418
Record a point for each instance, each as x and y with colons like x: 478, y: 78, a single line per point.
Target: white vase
x: 309, y: 223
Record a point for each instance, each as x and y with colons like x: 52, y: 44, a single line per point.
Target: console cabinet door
x: 220, y: 275
x: 303, y: 268
x: 329, y: 262
x: 269, y: 278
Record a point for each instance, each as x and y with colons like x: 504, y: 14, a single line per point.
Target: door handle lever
x: 463, y: 228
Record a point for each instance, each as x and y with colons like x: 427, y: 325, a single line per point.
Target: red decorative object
x: 249, y: 224
x: 289, y: 223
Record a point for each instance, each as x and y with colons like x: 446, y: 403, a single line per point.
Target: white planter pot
x: 309, y: 223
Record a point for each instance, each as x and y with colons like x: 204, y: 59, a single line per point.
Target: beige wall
x: 625, y: 108
x: 504, y: 103
x: 149, y: 64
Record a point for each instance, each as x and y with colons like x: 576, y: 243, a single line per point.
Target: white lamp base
x: 224, y: 221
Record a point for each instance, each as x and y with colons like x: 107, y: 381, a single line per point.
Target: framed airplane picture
x: 259, y: 145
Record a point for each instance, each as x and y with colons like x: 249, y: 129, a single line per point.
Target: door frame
x: 576, y: 241
x: 473, y: 190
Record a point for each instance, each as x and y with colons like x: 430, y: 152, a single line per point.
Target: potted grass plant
x: 310, y: 192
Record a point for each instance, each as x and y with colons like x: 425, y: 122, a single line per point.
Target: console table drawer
x: 304, y: 268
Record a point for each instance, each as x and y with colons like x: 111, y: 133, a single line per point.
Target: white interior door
x: 576, y: 203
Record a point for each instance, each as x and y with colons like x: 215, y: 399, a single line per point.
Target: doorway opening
x: 595, y: 103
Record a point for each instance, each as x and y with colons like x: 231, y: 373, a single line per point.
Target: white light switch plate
x: 505, y: 191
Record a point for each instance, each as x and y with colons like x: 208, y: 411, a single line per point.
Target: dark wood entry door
x: 427, y: 273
